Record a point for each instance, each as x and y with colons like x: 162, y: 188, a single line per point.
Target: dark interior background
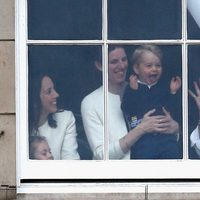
x: 127, y: 19
x: 72, y: 68
x: 64, y: 19
x: 144, y: 19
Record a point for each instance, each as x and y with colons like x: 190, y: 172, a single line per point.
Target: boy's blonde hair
x: 136, y: 56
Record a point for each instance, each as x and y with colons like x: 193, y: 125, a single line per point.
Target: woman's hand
x: 163, y: 124
x: 159, y: 123
x: 196, y: 96
x: 168, y: 124
x: 150, y: 123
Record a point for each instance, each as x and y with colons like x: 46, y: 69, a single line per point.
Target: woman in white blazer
x: 58, y: 126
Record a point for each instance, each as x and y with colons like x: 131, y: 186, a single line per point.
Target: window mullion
x: 64, y: 42
x: 105, y: 77
x: 185, y: 80
x: 185, y: 100
x: 140, y: 42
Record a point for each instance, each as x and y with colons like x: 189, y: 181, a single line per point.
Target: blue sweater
x: 136, y: 103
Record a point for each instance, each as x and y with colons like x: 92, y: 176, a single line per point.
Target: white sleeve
x: 93, y: 126
x: 195, y: 140
x: 117, y: 128
x: 70, y: 146
x: 194, y: 8
x: 115, y: 150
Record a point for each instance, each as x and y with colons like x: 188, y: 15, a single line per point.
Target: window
x: 63, y: 38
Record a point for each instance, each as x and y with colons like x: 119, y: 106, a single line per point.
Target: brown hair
x: 35, y: 105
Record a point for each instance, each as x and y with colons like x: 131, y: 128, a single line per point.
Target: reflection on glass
x: 193, y: 117
x: 136, y: 130
x: 193, y: 19
x: 59, y: 78
x: 144, y: 19
x: 64, y: 19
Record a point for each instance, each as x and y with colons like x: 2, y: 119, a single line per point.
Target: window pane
x: 72, y: 71
x: 152, y: 88
x: 64, y: 19
x: 193, y: 75
x: 144, y: 19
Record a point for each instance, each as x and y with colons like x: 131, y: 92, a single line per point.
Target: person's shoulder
x: 63, y: 114
x: 96, y: 95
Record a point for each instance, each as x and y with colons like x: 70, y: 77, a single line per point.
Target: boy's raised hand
x: 175, y: 84
x: 133, y: 82
x: 196, y: 95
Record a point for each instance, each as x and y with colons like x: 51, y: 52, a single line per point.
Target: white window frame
x: 105, y: 169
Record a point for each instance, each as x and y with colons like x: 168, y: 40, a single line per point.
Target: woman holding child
x: 58, y: 127
x: 120, y: 139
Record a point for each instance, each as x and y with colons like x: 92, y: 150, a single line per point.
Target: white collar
x: 149, y: 86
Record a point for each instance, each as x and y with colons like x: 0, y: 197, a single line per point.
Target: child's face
x: 149, y: 68
x: 42, y: 151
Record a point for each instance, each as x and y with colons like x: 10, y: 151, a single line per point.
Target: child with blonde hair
x: 39, y: 148
x: 145, y: 92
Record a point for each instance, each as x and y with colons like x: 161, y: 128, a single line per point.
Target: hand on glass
x: 197, y: 95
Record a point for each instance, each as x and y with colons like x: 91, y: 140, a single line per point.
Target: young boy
x: 39, y: 148
x: 146, y: 92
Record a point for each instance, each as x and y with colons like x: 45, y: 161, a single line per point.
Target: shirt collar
x: 149, y: 86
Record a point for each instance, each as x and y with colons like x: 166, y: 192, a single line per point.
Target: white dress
x: 195, y: 140
x: 92, y: 110
x: 62, y: 139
